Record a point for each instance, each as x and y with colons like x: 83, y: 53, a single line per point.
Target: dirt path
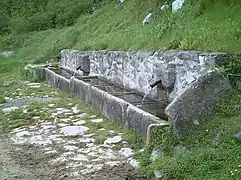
x: 61, y: 140
x: 9, y: 169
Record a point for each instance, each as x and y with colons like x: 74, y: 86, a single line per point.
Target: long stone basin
x: 113, y: 101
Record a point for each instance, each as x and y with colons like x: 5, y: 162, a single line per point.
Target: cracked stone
x: 70, y: 148
x: 113, y: 140
x: 10, y: 109
x: 80, y: 157
x: 96, y: 120
x: 81, y: 122
x: 73, y: 130
x: 127, y: 152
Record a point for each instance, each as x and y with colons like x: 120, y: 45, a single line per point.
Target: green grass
x: 212, y: 150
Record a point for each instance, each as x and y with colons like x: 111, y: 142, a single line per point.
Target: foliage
x: 212, y: 152
x: 26, y: 16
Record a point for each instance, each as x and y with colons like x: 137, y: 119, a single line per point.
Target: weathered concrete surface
x: 138, y: 69
x: 113, y: 107
x: 37, y: 71
x: 179, y: 72
x: 197, y: 101
x: 56, y: 80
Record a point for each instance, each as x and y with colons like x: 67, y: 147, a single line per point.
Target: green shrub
x: 19, y: 25
x: 41, y: 21
x: 67, y: 12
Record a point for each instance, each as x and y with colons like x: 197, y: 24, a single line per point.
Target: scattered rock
x: 74, y: 164
x: 101, y: 129
x: 114, y: 140
x: 160, y: 175
x: 81, y: 115
x: 141, y: 150
x: 238, y: 136
x: 70, y: 148
x: 148, y: 17
x: 51, y: 105
x: 68, y: 154
x: 80, y: 157
x: 75, y: 110
x: 7, y: 53
x: 156, y: 153
x: 111, y: 132
x: 34, y: 85
x: 39, y: 140
x: 96, y: 120
x: 86, y: 140
x: 81, y: 122
x: 134, y: 163
x: 22, y: 134
x: 121, y: 1
x: 88, y: 135
x: 164, y: 7
x: 10, y: 109
x: 66, y: 120
x: 7, y: 83
x: 73, y: 130
x: 217, y: 139
x: 35, y: 118
x: 176, y: 5
x: 63, y: 124
x: 58, y: 160
x: 112, y: 163
x: 127, y: 152
x: 180, y: 150
x: 51, y: 152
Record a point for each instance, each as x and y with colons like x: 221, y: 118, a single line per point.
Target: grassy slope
x: 198, y: 27
x: 211, y: 152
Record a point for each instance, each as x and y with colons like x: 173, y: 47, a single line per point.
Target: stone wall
x: 138, y: 69
x: 181, y: 72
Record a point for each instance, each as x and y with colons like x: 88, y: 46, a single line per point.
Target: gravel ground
x: 66, y: 145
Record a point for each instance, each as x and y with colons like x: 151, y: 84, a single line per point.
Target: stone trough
x: 114, y: 82
x: 113, y: 101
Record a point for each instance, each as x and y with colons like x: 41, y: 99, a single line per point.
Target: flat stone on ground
x: 73, y: 130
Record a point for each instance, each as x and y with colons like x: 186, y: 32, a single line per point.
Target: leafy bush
x: 27, y: 16
x: 41, y: 21
x: 66, y: 12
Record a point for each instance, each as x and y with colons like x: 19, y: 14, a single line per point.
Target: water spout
x: 145, y: 96
x: 149, y: 89
x: 156, y: 83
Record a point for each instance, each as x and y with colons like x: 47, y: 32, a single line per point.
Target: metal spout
x: 78, y: 68
x: 156, y: 83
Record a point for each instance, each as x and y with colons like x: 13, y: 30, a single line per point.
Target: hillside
x: 38, y: 30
